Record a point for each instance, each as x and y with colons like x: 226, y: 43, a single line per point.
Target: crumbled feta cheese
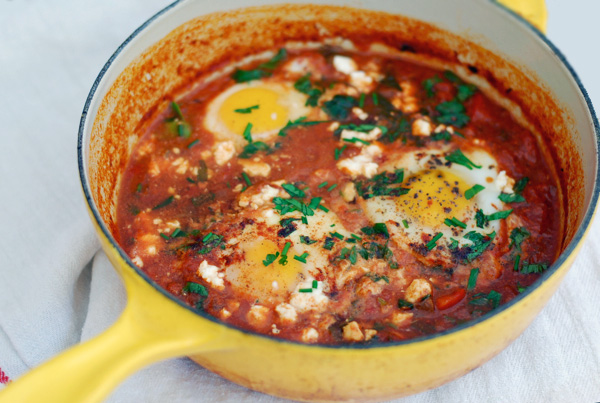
x: 308, y: 301
x: 255, y: 168
x: 334, y: 126
x: 505, y: 183
x: 418, y: 289
x: 344, y: 64
x: 266, y: 194
x: 310, y: 335
x: 157, y: 221
x: 274, y: 329
x: 151, y: 250
x: 362, y: 115
x: 211, y: 274
x: 182, y: 165
x: 361, y: 81
x: 361, y: 164
x: 224, y: 151
x: 138, y: 261
x: 370, y: 136
x: 369, y: 334
x: 275, y: 285
x: 154, y: 169
x: 286, y: 312
x: 401, y: 318
x: 349, y: 192
x: 224, y: 313
x: 422, y: 127
x: 258, y: 315
x: 352, y: 332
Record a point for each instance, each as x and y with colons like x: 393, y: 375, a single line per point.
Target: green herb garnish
x: 377, y: 229
x: 455, y: 222
x: 270, y: 258
x: 302, y: 257
x: 300, y: 122
x: 483, y: 219
x: 164, y: 203
x: 305, y: 86
x: 339, y: 106
x: 264, y: 69
x: 429, y: 85
x: 382, y: 184
x: 470, y: 193
x: 452, y: 113
x: 515, y: 197
x: 458, y: 157
x: 472, y: 279
x: 432, y: 243
x: 517, y: 236
x: 247, y: 110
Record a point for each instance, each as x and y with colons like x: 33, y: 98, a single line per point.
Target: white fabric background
x: 57, y: 287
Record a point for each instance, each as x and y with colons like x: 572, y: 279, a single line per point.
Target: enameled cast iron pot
x: 147, y: 69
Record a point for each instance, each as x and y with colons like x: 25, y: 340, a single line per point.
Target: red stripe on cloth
x: 3, y: 377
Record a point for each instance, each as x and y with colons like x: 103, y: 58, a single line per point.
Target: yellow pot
x: 156, y: 326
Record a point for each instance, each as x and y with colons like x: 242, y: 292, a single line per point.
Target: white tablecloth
x: 57, y: 287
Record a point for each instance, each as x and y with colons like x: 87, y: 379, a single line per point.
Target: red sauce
x: 172, y: 217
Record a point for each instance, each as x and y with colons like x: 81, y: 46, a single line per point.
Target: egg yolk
x: 272, y: 280
x: 265, y: 112
x: 434, y: 196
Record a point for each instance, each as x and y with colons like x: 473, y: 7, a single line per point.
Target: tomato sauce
x: 194, y: 200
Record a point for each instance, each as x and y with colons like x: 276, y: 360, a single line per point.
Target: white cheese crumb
x: 310, y: 335
x: 361, y: 164
x: 138, y: 261
x: 255, y: 168
x: 275, y: 285
x: 401, y: 318
x: 422, y: 127
x: 308, y: 301
x: 224, y: 313
x: 369, y: 334
x: 505, y: 183
x: 257, y: 315
x: 151, y: 250
x: 418, y: 289
x: 211, y: 274
x: 182, y: 165
x: 334, y: 126
x: 369, y: 136
x: 266, y: 194
x: 361, y: 81
x: 274, y: 329
x: 224, y: 151
x: 362, y: 115
x: 349, y: 192
x: 344, y: 64
x: 352, y: 332
x: 286, y: 312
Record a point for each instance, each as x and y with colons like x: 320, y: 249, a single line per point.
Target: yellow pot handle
x: 151, y: 328
x: 533, y: 11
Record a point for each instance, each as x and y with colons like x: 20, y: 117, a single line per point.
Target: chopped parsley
x: 390, y: 81
x: 349, y: 254
x: 246, y: 110
x: 377, y: 229
x: 246, y: 179
x: 293, y: 191
x: 322, y: 184
x: 302, y: 257
x: 529, y: 268
x: 306, y: 240
x: 479, y: 244
x: 483, y: 219
x: 432, y: 243
x: 377, y: 277
x: 472, y: 279
x: 193, y: 143
x: 253, y: 146
x: 330, y: 188
x: 464, y: 90
x: 405, y: 223
x: 329, y: 243
x: 429, y: 85
x: 517, y: 236
x: 382, y: 185
x: 305, y: 290
x: 177, y: 123
x: 300, y: 122
x: 493, y: 298
x: 515, y: 197
x: 403, y: 304
x: 305, y: 86
x: 264, y: 69
x: 284, y: 252
x: 457, y: 157
x: 270, y: 258
x: 455, y: 222
x: 195, y: 288
x: 339, y: 106
x: 452, y: 113
x: 338, y: 152
x: 211, y: 241
x: 164, y: 203
x: 470, y: 193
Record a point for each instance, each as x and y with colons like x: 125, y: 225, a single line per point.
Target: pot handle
x: 533, y: 11
x: 150, y: 329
